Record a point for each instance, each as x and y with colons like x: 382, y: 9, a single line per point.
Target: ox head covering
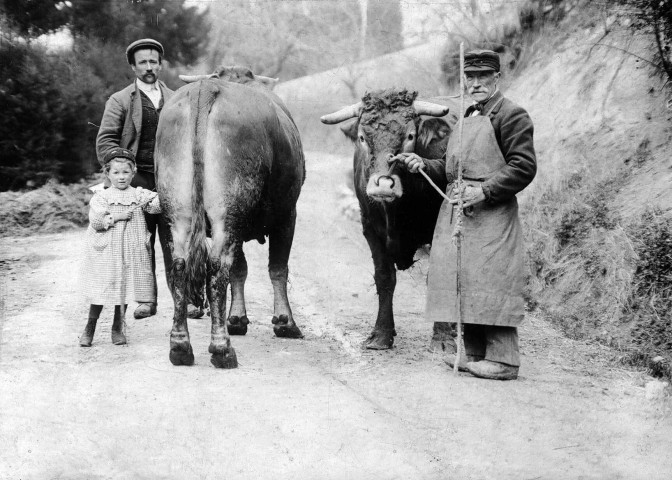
x: 142, y: 43
x: 481, y: 61
x: 118, y: 153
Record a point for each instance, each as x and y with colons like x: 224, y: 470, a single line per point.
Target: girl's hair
x: 106, y: 167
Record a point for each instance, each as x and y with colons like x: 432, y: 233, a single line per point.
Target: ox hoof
x: 180, y: 350
x: 237, y: 325
x: 380, y: 340
x: 443, y: 339
x: 286, y: 328
x: 223, y: 357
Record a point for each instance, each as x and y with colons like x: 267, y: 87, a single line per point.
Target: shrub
x: 46, y: 102
x: 650, y: 307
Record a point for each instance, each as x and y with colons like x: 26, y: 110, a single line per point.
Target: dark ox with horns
x: 398, y: 208
x: 229, y: 158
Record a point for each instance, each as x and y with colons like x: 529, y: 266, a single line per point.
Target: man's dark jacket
x: 122, y: 120
x: 514, y: 133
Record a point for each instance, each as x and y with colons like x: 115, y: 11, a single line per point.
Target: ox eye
x: 361, y: 138
x: 411, y: 136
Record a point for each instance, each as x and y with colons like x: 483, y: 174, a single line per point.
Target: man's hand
x: 411, y: 161
x: 471, y: 196
x: 121, y: 217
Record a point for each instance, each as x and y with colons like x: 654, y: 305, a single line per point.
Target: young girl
x: 117, y: 261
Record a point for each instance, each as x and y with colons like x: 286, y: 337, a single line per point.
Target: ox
x: 228, y: 158
x: 398, y: 209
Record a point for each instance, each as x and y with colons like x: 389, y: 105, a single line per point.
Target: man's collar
x: 490, y: 101
x: 147, y: 87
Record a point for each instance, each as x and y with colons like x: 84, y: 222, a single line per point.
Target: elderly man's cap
x: 481, y: 61
x: 118, y: 153
x: 142, y: 43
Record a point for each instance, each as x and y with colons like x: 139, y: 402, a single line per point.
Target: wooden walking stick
x: 457, y: 230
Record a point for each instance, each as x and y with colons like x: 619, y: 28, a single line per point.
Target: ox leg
x: 443, y: 338
x: 181, y: 352
x: 237, y: 321
x: 385, y: 276
x: 279, y: 247
x: 219, y: 266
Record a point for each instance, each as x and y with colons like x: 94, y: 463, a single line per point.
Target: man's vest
x: 150, y: 120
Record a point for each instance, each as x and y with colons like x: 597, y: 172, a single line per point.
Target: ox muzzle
x: 385, y: 187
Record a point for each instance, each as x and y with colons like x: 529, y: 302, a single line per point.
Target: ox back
x: 228, y: 156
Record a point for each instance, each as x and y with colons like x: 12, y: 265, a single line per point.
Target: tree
x: 286, y: 39
x: 35, y: 17
x: 655, y: 16
x: 383, y: 31
x: 183, y: 31
x: 46, y: 102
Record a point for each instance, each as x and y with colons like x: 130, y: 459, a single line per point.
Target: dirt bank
x: 313, y: 408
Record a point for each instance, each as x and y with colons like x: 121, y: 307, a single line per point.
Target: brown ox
x: 398, y: 209
x: 228, y: 155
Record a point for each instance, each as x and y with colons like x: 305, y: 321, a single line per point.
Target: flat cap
x: 481, y: 61
x: 118, y: 153
x: 142, y: 43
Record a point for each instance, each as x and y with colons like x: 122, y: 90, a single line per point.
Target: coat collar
x: 494, y: 103
x: 133, y: 88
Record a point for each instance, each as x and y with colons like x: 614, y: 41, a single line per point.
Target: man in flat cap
x: 130, y: 120
x: 499, y: 161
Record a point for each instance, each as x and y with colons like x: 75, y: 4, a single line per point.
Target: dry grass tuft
x: 53, y: 207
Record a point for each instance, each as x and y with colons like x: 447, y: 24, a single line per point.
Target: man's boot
x: 464, y: 359
x: 492, y: 370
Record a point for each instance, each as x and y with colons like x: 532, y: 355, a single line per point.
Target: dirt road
x: 317, y: 408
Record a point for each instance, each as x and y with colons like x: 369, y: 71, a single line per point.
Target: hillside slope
x: 595, y: 108
x: 308, y: 98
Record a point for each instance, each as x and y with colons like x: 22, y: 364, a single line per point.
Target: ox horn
x: 428, y: 108
x: 269, y: 80
x: 195, y: 78
x: 343, y: 114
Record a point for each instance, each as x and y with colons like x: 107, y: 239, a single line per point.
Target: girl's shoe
x: 118, y: 338
x: 87, y: 337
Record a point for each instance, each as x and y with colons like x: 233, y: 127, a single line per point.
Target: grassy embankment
x: 599, y: 230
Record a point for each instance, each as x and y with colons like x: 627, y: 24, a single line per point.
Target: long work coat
x: 122, y: 120
x: 117, y: 262
x: 497, y: 154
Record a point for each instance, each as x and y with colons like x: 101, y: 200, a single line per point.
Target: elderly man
x: 498, y: 162
x: 130, y: 120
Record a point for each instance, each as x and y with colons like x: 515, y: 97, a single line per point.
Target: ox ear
x: 267, y: 81
x: 350, y: 129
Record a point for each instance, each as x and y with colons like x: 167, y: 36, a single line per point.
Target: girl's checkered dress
x: 117, y: 264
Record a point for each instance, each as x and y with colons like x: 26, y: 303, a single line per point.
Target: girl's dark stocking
x: 87, y: 337
x: 118, y: 337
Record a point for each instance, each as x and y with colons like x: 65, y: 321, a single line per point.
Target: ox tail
x: 201, y: 101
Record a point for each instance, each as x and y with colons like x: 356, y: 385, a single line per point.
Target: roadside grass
x: 597, y: 276
x: 54, y: 207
